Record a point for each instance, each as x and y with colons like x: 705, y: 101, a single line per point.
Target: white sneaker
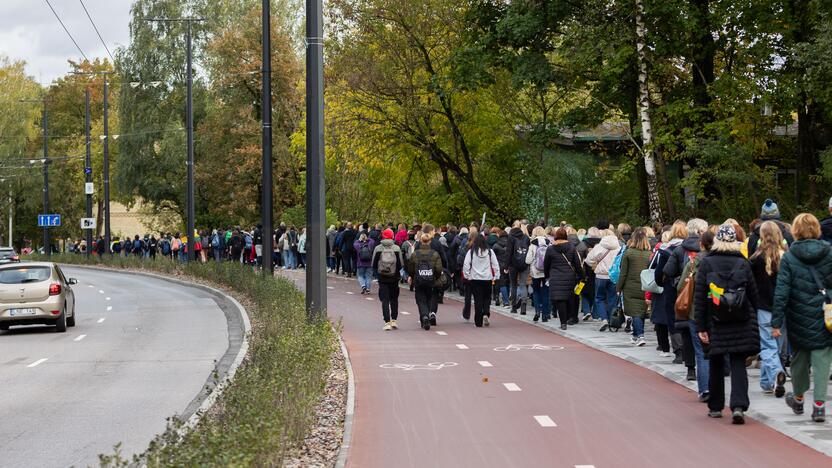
x: 485, y: 320
x: 633, y: 340
x: 394, y: 325
x: 666, y: 355
x: 387, y: 326
x: 586, y: 317
x: 641, y: 341
x: 604, y: 326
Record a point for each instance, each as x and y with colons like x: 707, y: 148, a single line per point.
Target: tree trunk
x: 644, y: 112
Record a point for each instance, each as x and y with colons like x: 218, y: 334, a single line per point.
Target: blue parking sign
x: 49, y: 220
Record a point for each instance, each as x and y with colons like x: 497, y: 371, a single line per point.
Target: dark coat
x: 629, y: 281
x: 754, y: 239
x: 797, y: 300
x: 562, y: 267
x: 826, y: 229
x: 501, y: 250
x: 664, y: 304
x: 765, y: 282
x: 432, y: 257
x: 516, y: 239
x: 589, y: 273
x: 736, y: 338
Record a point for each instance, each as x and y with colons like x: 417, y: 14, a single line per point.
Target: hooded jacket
x: 797, y: 300
x: 536, y: 243
x: 385, y: 245
x: 371, y: 244
x: 664, y: 312
x: 676, y: 263
x: 603, y: 255
x: 563, y: 270
x: 481, y: 265
x: 516, y: 239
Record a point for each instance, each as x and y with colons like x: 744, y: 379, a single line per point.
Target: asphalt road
x: 458, y: 396
x: 142, y: 351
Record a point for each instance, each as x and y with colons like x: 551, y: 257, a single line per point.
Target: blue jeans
x: 540, y: 296
x: 769, y: 354
x: 586, y: 306
x: 504, y: 290
x: 404, y: 274
x: 703, y: 365
x: 365, y: 277
x: 605, y: 297
x: 638, y: 327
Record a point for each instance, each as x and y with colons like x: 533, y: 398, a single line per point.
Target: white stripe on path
x: 100, y: 291
x: 90, y: 286
x: 102, y: 319
x: 545, y: 421
x: 80, y: 337
x: 441, y: 333
x: 38, y: 362
x: 584, y: 466
x: 512, y: 387
x: 350, y: 293
x: 484, y: 363
x: 107, y: 298
x: 461, y: 346
x: 369, y: 298
x: 405, y: 313
x: 330, y: 287
x: 109, y: 308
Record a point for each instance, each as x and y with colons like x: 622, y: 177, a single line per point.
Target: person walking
x: 481, y: 269
x: 518, y: 245
x: 501, y: 250
x: 765, y: 264
x: 768, y: 212
x: 302, y: 248
x: 826, y: 225
x: 725, y: 304
x: 347, y: 250
x: 664, y: 315
x: 465, y: 286
x: 536, y: 259
x: 635, y: 259
x: 804, y: 283
x: 600, y: 259
x: 425, y: 267
x: 593, y: 237
x: 388, y: 262
x: 562, y: 270
x: 364, y: 254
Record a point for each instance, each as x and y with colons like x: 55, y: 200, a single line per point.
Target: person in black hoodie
x: 501, y: 249
x: 518, y: 246
x: 826, y: 225
x: 348, y: 250
x: 562, y: 270
x: 588, y: 293
x: 724, y: 279
x: 769, y: 212
x: 436, y: 246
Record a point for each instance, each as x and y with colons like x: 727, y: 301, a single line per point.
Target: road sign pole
x: 190, y: 122
x: 268, y: 223
x: 11, y: 219
x: 87, y: 166
x: 315, y: 184
x: 106, y: 168
x: 47, y: 245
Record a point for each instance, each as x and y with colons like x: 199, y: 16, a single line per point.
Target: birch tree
x: 655, y: 206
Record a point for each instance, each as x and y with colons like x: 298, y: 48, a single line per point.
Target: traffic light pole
x: 107, y: 239
x: 88, y: 167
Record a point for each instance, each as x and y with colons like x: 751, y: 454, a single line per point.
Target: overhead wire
x: 67, y: 31
x: 96, y: 31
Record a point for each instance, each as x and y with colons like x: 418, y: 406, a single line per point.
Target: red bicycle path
x: 607, y: 412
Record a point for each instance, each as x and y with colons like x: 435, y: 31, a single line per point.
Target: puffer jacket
x: 603, y: 255
x: 736, y: 338
x: 481, y: 265
x: 532, y: 253
x: 562, y: 267
x: 797, y: 301
x: 664, y: 303
x: 629, y: 282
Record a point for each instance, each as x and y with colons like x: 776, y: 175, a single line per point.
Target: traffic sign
x: 49, y: 220
x: 87, y: 170
x: 89, y: 188
x: 87, y: 223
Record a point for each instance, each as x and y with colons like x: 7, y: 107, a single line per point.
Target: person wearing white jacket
x: 601, y: 259
x: 540, y: 291
x: 481, y: 269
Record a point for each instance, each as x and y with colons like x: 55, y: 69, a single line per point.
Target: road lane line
x: 109, y: 308
x: 100, y: 291
x: 90, y: 286
x: 461, y: 346
x: 369, y: 298
x: 484, y: 363
x: 80, y: 337
x: 545, y: 421
x: 584, y: 466
x: 512, y: 387
x: 106, y: 298
x: 330, y: 287
x: 102, y: 319
x: 441, y: 333
x: 38, y: 362
x: 350, y: 293
x: 405, y: 313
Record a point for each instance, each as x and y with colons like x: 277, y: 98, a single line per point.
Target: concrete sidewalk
x: 764, y: 408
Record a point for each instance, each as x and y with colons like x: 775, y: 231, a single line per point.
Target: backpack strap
x: 819, y: 284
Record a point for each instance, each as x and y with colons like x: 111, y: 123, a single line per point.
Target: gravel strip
x: 320, y: 448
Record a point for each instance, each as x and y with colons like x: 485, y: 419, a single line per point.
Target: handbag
x: 684, y: 300
x: 648, y: 278
x: 580, y: 286
x: 827, y: 299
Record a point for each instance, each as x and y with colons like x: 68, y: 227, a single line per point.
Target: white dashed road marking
x: 484, y: 363
x: 405, y: 313
x: 512, y: 387
x: 102, y: 319
x: 369, y: 298
x: 109, y: 308
x: 330, y: 287
x: 80, y: 337
x: 38, y: 362
x: 107, y: 298
x: 350, y: 293
x: 441, y: 333
x: 90, y: 286
x: 584, y: 466
x: 545, y: 421
x: 461, y: 346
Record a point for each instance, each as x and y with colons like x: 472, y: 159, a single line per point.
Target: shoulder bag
x: 648, y: 278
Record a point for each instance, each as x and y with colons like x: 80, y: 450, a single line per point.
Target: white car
x: 36, y: 293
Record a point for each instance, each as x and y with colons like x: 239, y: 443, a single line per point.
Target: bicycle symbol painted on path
x: 532, y: 347
x: 431, y: 366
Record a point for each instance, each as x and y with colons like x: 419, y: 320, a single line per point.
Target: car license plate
x: 21, y: 312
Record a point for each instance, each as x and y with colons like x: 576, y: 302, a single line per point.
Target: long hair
x: 638, y: 240
x: 478, y: 245
x: 771, y: 246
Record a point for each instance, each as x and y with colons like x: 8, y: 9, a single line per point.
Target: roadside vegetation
x: 270, y: 404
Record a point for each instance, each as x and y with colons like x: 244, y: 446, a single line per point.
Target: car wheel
x: 60, y: 324
x: 3, y: 327
x: 70, y: 321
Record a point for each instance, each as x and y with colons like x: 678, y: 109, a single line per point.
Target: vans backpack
x: 424, y: 270
x: 540, y: 256
x: 518, y: 257
x: 387, y: 262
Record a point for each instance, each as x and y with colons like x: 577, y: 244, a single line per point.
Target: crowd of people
x: 720, y: 298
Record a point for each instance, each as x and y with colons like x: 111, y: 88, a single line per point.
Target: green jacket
x: 797, y: 300
x: 629, y: 281
x: 431, y: 256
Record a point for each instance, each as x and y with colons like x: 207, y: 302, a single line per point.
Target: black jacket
x: 676, y: 263
x: 754, y: 239
x: 347, y: 240
x: 738, y: 338
x: 516, y: 238
x: 562, y: 269
x: 826, y: 229
x: 765, y: 284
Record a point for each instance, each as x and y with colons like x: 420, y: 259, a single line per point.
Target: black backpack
x: 727, y: 293
x: 424, y: 268
x: 364, y: 253
x: 518, y: 257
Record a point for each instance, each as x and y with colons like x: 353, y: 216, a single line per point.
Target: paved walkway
x: 515, y: 395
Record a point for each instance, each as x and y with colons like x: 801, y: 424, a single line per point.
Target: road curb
x: 349, y: 416
x: 203, y: 401
x: 776, y: 424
